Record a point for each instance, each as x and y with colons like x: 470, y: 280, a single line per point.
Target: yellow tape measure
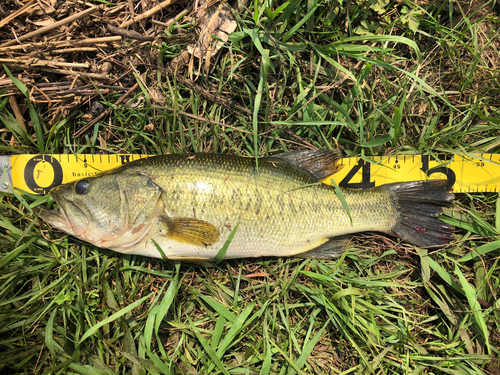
x: 480, y: 173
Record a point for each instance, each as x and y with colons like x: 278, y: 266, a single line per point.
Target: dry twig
x: 147, y: 14
x: 62, y: 43
x: 47, y: 28
x: 130, y: 34
x: 25, y: 8
x: 33, y: 62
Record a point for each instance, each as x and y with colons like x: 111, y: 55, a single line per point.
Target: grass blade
x: 309, y: 347
x: 475, y: 307
x: 222, y: 252
x: 208, y: 349
x: 113, y: 317
x: 481, y: 250
x: 497, y: 215
x: 49, y: 340
x: 338, y: 192
x: 235, y: 329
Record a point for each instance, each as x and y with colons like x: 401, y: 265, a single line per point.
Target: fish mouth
x: 55, y: 218
x: 71, y: 224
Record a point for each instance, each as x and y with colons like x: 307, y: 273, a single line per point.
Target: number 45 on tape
x: 37, y: 174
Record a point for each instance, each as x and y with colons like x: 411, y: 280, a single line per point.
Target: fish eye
x: 81, y: 187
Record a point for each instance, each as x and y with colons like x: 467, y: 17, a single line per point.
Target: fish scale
x: 189, y: 205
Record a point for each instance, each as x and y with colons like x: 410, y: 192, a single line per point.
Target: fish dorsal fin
x: 333, y: 248
x: 321, y: 162
x: 191, y: 231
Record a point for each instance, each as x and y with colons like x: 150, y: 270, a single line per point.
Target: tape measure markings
x: 468, y: 173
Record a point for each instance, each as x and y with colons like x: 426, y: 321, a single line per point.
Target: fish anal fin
x: 332, y: 248
x: 191, y: 231
x: 321, y: 163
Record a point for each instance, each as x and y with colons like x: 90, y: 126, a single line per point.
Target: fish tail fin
x: 420, y: 203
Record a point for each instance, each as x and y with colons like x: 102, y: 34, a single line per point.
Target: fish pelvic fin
x: 321, y: 163
x: 191, y: 231
x: 200, y: 261
x: 420, y: 204
x: 332, y: 248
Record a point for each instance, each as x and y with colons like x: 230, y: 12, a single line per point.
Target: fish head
x: 114, y: 210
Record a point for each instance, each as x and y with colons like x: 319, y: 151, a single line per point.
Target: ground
x: 374, y: 77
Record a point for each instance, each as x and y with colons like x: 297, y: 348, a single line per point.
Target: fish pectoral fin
x: 321, y: 163
x: 332, y: 248
x: 191, y: 231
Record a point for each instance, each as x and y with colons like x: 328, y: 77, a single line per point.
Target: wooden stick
x: 17, y: 111
x: 29, y: 62
x: 8, y: 82
x: 47, y: 28
x: 17, y: 13
x: 130, y: 34
x: 172, y: 20
x: 68, y: 72
x: 18, y: 115
x: 147, y: 14
x: 71, y: 50
x: 63, y: 43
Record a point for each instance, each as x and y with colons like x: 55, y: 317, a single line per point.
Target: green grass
x: 310, y: 74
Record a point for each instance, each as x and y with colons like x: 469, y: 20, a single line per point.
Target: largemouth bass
x: 188, y: 205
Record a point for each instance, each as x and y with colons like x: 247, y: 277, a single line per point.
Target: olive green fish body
x: 189, y: 205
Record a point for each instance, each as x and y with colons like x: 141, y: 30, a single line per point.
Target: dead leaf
x: 157, y: 97
x: 139, y: 100
x: 44, y: 7
x: 214, y: 19
x: 45, y: 22
x: 217, y: 21
x: 102, y: 141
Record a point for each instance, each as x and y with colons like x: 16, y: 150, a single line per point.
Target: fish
x: 186, y: 207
